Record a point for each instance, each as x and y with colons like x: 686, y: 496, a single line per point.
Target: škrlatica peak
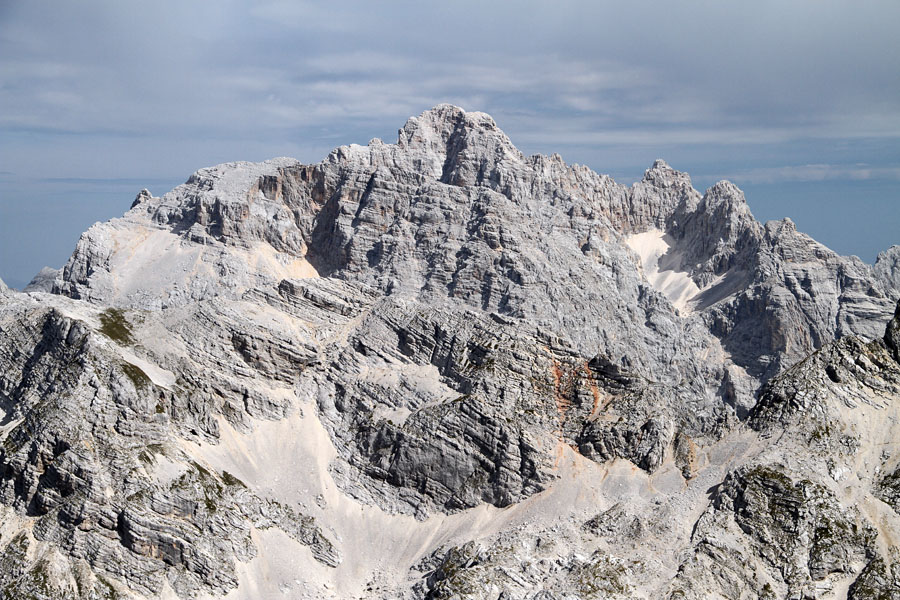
x: 442, y: 369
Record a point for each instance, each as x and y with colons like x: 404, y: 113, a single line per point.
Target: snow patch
x: 657, y: 261
x: 155, y: 267
x: 157, y: 375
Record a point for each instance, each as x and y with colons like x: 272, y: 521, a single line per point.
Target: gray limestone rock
x: 879, y: 580
x: 769, y: 533
x: 92, y: 455
x: 442, y: 369
x: 454, y: 211
x: 887, y: 269
x: 43, y: 281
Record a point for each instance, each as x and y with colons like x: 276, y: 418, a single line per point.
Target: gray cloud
x: 766, y: 91
x: 817, y: 172
x: 769, y: 72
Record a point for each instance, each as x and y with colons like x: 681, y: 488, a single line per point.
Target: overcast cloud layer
x: 797, y: 102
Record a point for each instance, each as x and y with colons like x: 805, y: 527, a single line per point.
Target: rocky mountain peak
x: 256, y: 383
x: 442, y: 122
x: 458, y: 146
x: 658, y: 200
x: 43, y: 281
x: 726, y: 211
x: 725, y: 193
x: 777, y: 228
x: 660, y: 175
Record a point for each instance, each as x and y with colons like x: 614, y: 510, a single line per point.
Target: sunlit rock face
x: 442, y: 369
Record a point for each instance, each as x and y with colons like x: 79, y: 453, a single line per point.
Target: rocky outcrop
x: 887, y: 269
x: 892, y: 335
x: 778, y: 537
x: 784, y: 525
x: 845, y: 374
x: 880, y: 579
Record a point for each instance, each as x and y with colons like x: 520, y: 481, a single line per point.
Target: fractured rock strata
x: 442, y: 369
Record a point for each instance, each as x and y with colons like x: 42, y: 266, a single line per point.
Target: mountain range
x: 440, y: 368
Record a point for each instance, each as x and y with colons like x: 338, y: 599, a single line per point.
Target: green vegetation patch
x: 231, y: 480
x: 136, y: 375
x: 602, y: 577
x: 115, y: 326
x: 198, y: 479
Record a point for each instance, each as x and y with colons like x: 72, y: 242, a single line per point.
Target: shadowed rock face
x: 892, y: 335
x: 440, y: 326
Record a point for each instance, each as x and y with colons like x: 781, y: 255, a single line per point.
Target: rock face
x: 887, y: 268
x: 43, y: 281
x: 542, y: 378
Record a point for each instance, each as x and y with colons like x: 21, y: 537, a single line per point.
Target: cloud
x: 101, y: 91
x: 593, y: 71
x: 810, y: 173
x: 101, y: 181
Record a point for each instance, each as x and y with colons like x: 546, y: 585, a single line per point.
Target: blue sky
x: 798, y: 102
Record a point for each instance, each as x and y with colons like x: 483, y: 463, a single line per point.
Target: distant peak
x: 444, y: 120
x: 454, y: 145
x: 887, y: 268
x: 725, y: 198
x: 444, y: 107
x: 443, y: 117
x: 453, y: 113
x: 661, y: 168
x: 661, y: 175
x: 43, y: 281
x: 893, y: 251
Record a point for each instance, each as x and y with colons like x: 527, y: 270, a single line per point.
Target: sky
x: 797, y: 102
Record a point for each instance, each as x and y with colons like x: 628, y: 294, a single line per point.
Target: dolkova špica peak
x: 440, y: 368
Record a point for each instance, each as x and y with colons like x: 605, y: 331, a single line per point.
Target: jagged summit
x: 270, y: 379
x: 454, y: 211
x: 442, y: 123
